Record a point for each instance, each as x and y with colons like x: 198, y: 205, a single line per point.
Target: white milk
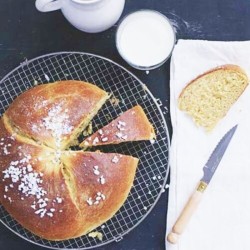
x: 145, y: 39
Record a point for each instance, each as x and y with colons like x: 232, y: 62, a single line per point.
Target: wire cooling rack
x: 153, y: 168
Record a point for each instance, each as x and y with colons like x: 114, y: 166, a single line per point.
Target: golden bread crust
x: 132, y: 125
x: 50, y: 113
x: 17, y: 156
x: 88, y: 169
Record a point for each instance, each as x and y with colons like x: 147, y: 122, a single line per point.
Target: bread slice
x: 33, y: 189
x: 132, y: 125
x: 208, y: 97
x: 101, y: 184
x: 55, y: 114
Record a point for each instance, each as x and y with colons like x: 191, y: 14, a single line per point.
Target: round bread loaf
x: 54, y: 193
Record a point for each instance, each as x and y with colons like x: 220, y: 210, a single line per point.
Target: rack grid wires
x: 153, y: 168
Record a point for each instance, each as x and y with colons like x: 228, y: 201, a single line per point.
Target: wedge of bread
x: 208, y: 97
x: 55, y: 114
x: 132, y: 125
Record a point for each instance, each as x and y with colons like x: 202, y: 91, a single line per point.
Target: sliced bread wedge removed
x: 208, y: 97
x: 132, y: 125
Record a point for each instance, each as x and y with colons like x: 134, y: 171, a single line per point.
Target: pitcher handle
x: 48, y: 5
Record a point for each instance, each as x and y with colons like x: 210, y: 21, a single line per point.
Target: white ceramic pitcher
x: 87, y: 15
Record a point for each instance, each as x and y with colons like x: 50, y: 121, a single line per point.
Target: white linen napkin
x: 222, y: 221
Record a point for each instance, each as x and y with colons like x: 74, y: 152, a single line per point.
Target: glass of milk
x: 145, y: 39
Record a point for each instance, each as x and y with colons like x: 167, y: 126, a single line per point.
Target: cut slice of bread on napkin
x: 208, y: 97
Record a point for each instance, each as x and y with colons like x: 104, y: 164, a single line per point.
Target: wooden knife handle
x: 186, y: 214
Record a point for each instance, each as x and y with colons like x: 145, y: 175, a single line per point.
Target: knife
x: 193, y: 202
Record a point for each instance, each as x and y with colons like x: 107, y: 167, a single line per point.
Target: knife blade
x: 215, y: 158
x: 208, y: 172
